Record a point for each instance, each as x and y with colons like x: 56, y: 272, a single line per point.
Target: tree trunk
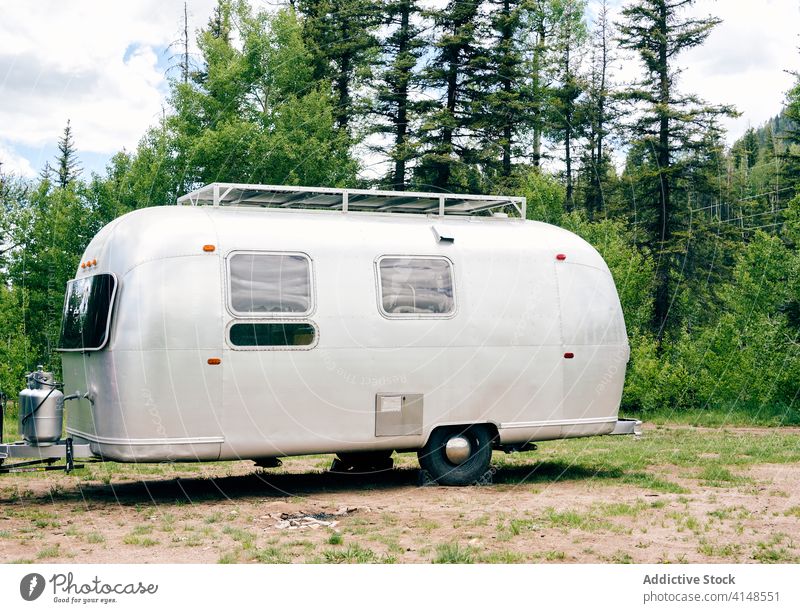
x: 185, y: 67
x: 538, y: 126
x: 443, y: 166
x: 505, y: 43
x: 568, y: 116
x: 401, y: 125
x: 601, y: 109
x: 343, y: 87
x: 664, y: 269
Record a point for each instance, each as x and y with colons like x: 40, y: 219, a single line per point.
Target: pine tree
x: 395, y: 107
x: 184, y: 62
x: 341, y: 35
x: 539, y: 22
x: 790, y: 156
x: 669, y: 125
x: 46, y: 173
x: 570, y: 36
x: 600, y: 112
x: 451, y: 71
x: 502, y: 107
x: 67, y: 165
x: 219, y: 24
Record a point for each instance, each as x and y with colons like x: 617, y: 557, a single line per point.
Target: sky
x: 104, y: 66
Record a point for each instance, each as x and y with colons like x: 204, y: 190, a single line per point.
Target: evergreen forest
x: 516, y: 97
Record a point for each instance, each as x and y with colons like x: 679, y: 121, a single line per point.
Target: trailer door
x: 268, y: 335
x: 594, y: 345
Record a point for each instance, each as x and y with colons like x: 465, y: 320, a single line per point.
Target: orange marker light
x: 214, y: 361
x: 94, y: 262
x: 208, y: 248
x: 83, y: 264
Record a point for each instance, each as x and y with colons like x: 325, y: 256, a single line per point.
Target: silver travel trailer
x: 255, y: 322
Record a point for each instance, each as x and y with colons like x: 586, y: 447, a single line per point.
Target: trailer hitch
x: 44, y: 458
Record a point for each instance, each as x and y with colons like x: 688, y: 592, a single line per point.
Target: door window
x: 262, y: 284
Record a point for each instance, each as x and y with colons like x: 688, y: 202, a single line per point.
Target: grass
x: 352, y: 554
x: 726, y: 513
x: 49, y: 552
x: 139, y: 541
x: 244, y: 537
x: 714, y: 550
x: 664, y: 472
x: 95, y: 538
x: 230, y: 557
x: 575, y: 520
x: 554, y: 556
x: 453, y: 553
x: 735, y: 417
x: 271, y: 555
x: 518, y: 526
x: 621, y: 557
x: 617, y: 509
x: 718, y: 454
x: 192, y: 540
x: 600, y: 459
x: 774, y: 550
x: 684, y: 521
x: 715, y: 475
x: 502, y: 557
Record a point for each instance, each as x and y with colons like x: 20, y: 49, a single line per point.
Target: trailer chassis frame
x: 43, y: 458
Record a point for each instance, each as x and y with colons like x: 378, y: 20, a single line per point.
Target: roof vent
x: 442, y: 237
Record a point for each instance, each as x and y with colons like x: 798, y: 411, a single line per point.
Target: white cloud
x: 15, y: 163
x: 62, y: 61
x: 745, y: 59
x: 95, y: 62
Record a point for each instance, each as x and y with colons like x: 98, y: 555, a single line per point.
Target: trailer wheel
x: 457, y: 456
x: 363, y: 461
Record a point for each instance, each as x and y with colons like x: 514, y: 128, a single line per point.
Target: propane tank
x: 41, y: 409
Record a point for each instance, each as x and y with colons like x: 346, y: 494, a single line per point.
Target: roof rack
x: 288, y: 196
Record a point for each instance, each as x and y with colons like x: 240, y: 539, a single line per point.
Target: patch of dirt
x: 301, y: 513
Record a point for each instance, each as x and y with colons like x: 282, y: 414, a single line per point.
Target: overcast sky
x: 102, y: 65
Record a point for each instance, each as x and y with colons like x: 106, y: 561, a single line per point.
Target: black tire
x: 364, y: 461
x: 433, y: 457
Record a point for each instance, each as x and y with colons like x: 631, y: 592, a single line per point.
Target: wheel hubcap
x: 458, y: 450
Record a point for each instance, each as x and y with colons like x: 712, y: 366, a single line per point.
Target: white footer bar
x: 352, y: 589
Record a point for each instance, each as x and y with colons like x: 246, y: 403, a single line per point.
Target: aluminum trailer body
x: 239, y: 332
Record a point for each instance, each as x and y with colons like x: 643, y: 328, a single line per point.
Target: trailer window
x: 270, y: 283
x: 272, y: 334
x: 416, y: 286
x: 87, y: 313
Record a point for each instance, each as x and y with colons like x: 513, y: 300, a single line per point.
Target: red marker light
x: 561, y: 257
x: 569, y: 355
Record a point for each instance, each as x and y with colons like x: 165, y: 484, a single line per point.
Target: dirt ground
x: 540, y: 509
